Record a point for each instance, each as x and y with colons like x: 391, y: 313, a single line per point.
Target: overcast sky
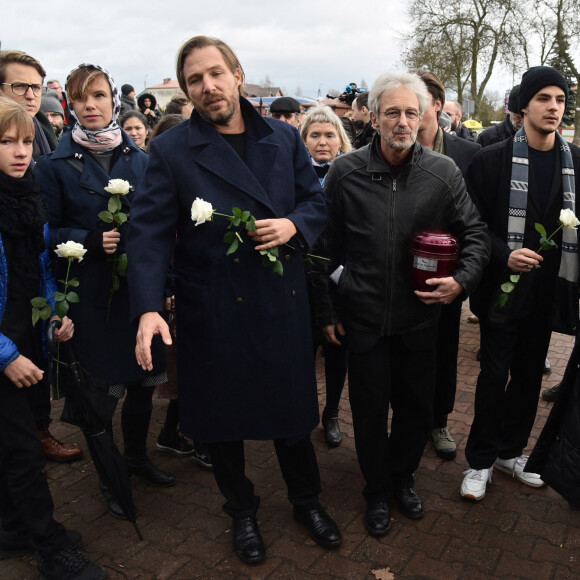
x: 311, y: 44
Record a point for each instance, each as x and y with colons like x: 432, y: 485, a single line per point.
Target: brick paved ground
x: 516, y: 532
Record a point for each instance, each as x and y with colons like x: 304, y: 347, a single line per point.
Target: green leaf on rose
x: 38, y: 302
x: 507, y: 287
x: 540, y: 229
x: 251, y: 224
x: 515, y: 278
x: 74, y: 283
x: 61, y: 308
x: 268, y: 254
x: 502, y: 300
x: 246, y: 216
x: 237, y: 212
x: 58, y: 297
x: 106, y: 216
x: 233, y: 246
x: 237, y: 222
x: 229, y: 237
x: 114, y: 204
x: 45, y: 312
x: 72, y: 297
x: 278, y: 268
x: 120, y: 218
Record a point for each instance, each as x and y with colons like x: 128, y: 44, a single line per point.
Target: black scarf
x: 23, y: 214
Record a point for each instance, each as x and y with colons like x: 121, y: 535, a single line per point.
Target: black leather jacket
x: 372, y: 219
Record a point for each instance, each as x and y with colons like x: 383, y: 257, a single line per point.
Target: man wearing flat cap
x: 286, y: 109
x: 524, y: 295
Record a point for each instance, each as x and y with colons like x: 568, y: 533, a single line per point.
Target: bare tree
x: 566, y: 20
x: 463, y: 41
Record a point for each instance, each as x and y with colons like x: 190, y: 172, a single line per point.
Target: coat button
x: 287, y: 257
x: 293, y: 292
x: 236, y: 260
x: 239, y: 299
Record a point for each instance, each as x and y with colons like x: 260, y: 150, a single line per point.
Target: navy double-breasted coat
x: 245, y: 362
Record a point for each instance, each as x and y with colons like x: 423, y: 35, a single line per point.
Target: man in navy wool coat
x: 245, y: 364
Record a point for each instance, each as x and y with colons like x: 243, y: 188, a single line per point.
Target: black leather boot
x: 331, y: 428
x: 135, y: 428
x: 112, y: 503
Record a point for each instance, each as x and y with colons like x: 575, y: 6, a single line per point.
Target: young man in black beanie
x: 517, y: 183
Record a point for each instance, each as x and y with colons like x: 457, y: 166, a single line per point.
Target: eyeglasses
x: 20, y: 89
x: 395, y: 114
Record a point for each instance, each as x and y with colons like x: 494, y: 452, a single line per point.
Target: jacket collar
x: 69, y: 148
x: 251, y: 175
x: 377, y: 164
x: 93, y: 176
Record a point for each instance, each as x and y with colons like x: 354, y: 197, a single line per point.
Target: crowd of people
x: 256, y: 240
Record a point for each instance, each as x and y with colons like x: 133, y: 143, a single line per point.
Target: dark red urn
x: 433, y: 255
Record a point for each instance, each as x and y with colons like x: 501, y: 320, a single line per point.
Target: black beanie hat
x: 513, y: 101
x: 127, y: 89
x: 538, y: 77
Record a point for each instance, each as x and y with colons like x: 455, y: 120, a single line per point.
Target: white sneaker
x: 475, y: 482
x: 515, y: 467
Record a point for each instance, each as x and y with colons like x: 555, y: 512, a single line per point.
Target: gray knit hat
x: 51, y: 104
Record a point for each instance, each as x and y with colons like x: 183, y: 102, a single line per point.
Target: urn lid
x: 435, y: 242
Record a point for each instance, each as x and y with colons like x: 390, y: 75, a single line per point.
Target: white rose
x: 201, y: 211
x: 118, y: 187
x: 71, y: 250
x: 568, y: 219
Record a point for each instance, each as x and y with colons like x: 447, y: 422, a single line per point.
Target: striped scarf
x: 569, y: 265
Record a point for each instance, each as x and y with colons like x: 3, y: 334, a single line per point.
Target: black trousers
x: 397, y: 372
x: 504, y: 415
x: 25, y: 500
x: 335, y: 368
x: 446, y: 373
x: 298, y: 465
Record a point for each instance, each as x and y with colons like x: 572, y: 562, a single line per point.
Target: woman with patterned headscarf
x: 73, y: 181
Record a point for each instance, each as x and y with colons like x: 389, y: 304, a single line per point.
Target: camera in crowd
x: 349, y: 95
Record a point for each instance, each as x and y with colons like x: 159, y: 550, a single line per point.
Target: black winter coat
x: 556, y: 456
x: 540, y: 291
x: 371, y: 221
x: 497, y: 133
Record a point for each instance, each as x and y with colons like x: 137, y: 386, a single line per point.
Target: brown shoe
x: 57, y: 451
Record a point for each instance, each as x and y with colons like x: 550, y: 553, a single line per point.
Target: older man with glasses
x: 380, y: 195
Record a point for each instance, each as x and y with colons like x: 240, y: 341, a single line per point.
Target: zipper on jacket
x: 389, y: 257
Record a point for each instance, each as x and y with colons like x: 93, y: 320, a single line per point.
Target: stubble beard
x: 397, y: 145
x: 222, y: 117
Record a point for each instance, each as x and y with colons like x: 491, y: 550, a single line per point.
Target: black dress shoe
x: 331, y: 429
x: 552, y: 393
x: 248, y: 544
x: 409, y: 503
x: 143, y: 467
x: 377, y: 519
x: 321, y: 526
x: 113, y: 505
